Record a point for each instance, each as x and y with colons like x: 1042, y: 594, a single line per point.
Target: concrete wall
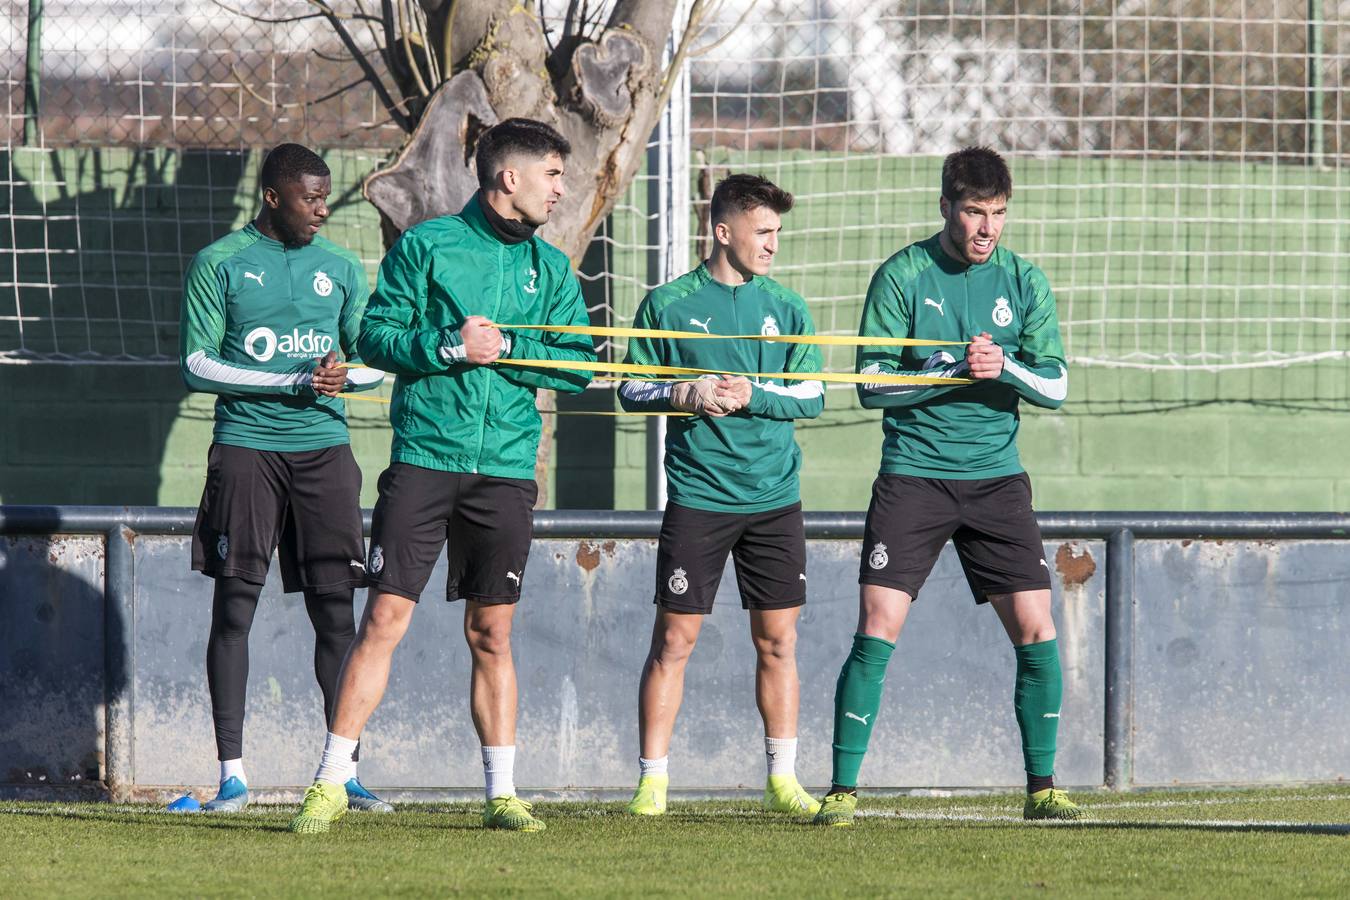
x: 1237, y: 674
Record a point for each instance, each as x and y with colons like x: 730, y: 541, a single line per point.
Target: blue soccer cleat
x: 360, y: 798
x: 185, y: 804
x: 232, y: 797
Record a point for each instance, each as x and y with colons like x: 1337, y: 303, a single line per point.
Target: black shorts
x: 769, y: 549
x: 487, y: 523
x: 990, y: 520
x: 305, y: 505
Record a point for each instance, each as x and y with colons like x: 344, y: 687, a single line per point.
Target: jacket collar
x: 473, y: 214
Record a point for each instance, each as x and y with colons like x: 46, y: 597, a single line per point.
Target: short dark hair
x: 975, y: 172
x: 528, y: 137
x: 291, y: 162
x: 742, y: 193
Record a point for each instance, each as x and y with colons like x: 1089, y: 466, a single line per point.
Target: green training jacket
x: 964, y: 431
x: 747, y: 461
x: 448, y: 413
x: 255, y: 316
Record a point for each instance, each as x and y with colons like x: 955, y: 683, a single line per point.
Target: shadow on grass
x: 1217, y: 825
x: 252, y: 820
x: 1323, y: 828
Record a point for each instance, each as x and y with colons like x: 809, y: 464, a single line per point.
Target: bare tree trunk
x: 604, y: 95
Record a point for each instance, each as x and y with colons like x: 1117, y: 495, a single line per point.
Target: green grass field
x: 1282, y: 843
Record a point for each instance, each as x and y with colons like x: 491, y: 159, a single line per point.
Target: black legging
x: 232, y: 612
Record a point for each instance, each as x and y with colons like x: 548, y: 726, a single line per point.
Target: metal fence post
x: 1118, y: 767
x: 119, y: 662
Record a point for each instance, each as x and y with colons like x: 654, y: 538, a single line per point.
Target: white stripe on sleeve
x: 802, y: 390
x: 647, y: 391
x: 1050, y: 388
x: 201, y: 365
x: 364, y: 376
x: 880, y: 387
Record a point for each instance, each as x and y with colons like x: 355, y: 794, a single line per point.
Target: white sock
x: 781, y: 754
x: 498, y: 765
x: 337, y: 767
x: 232, y: 768
x: 653, y: 766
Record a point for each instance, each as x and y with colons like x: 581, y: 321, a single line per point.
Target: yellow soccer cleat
x: 510, y: 814
x: 837, y: 810
x: 324, y: 804
x: 1051, y: 803
x: 650, y: 798
x: 784, y: 794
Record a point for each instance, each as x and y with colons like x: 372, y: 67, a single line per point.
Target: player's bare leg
x: 778, y: 693
x: 492, y: 684
x: 882, y: 611
x: 365, y: 672
x: 659, y: 695
x: 492, y: 700
x: 1025, y: 616
x: 361, y: 685
x: 662, y: 686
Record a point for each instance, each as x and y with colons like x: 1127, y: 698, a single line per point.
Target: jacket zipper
x: 487, y: 376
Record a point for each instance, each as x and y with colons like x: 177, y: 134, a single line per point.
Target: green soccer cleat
x: 324, y: 804
x: 510, y: 814
x: 837, y: 810
x: 1051, y: 803
x: 783, y: 794
x: 650, y: 798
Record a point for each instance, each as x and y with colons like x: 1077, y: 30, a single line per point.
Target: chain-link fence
x: 1180, y: 167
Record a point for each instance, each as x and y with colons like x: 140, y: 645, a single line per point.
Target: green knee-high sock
x: 1036, y: 700
x: 857, y: 697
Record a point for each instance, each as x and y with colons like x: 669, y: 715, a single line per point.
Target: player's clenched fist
x: 984, y: 357
x: 733, y: 392
x: 482, y: 342
x: 697, y: 397
x: 328, y: 379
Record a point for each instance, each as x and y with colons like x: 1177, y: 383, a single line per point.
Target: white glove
x: 697, y: 397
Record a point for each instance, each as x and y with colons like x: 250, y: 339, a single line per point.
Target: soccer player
x: 950, y: 468
x: 265, y: 311
x: 466, y: 433
x: 732, y: 470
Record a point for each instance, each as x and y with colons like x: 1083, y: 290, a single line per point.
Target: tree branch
x: 249, y: 89
x: 692, y: 30
x: 391, y: 40
x: 367, y: 69
x: 649, y: 18
x: 708, y: 48
x: 406, y: 40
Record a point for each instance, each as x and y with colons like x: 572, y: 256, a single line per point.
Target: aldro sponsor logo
x: 262, y: 343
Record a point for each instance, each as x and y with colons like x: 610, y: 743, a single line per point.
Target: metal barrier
x: 1121, y: 532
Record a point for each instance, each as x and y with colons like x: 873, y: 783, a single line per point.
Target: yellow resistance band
x: 825, y: 340
x: 666, y: 373
x: 542, y: 412
x: 627, y: 369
